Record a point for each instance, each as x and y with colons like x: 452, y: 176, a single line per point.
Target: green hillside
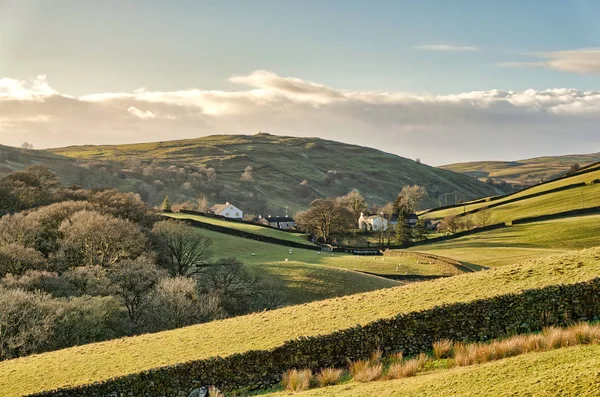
x: 265, y: 330
x: 554, y: 202
x: 566, y: 372
x: 529, y: 171
x: 279, y: 164
x: 520, y: 242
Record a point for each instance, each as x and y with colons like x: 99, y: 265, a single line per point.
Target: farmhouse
x: 372, y: 222
x: 280, y: 222
x: 227, y: 210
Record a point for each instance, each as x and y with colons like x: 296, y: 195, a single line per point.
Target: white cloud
x: 581, y: 61
x: 437, y: 128
x: 446, y: 47
x: 140, y: 113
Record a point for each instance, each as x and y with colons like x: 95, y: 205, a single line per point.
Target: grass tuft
x: 297, y: 380
x: 329, y: 376
x: 366, y: 371
x: 442, y: 348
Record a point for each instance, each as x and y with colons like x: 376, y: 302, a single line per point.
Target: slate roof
x: 217, y: 208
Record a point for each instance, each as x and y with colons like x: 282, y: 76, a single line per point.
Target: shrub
x: 329, y: 376
x: 297, y: 380
x: 407, y: 368
x: 366, y: 371
x: 442, y: 348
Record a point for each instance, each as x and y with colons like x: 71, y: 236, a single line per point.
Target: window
x: 237, y: 214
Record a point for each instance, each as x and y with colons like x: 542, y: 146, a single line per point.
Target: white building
x: 280, y: 222
x: 372, y: 222
x: 227, y: 210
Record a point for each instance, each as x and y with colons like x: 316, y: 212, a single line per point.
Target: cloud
x: 492, y: 124
x: 446, y: 47
x: 581, y: 61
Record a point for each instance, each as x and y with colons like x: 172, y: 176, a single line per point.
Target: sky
x: 443, y: 81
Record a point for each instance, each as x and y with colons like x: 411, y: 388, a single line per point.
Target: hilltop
x: 526, y: 172
x: 286, y: 171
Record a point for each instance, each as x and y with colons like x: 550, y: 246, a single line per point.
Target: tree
x: 574, y: 168
x: 412, y: 196
x: 247, y: 175
x: 203, y: 204
x: 91, y: 238
x: 132, y: 281
x: 325, y: 217
x: 484, y: 217
x: 166, y: 205
x: 355, y: 202
x: 403, y: 231
x: 26, y: 322
x: 27, y: 145
x: 420, y: 230
x: 175, y: 303
x: 183, y: 251
x: 451, y: 224
x: 16, y: 259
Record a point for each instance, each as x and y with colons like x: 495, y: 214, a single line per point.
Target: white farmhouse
x: 372, y: 222
x: 227, y: 210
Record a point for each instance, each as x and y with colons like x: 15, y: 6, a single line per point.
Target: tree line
x: 79, y: 266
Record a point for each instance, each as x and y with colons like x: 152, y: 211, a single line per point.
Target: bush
x: 442, y: 348
x: 297, y: 380
x: 329, y: 376
x: 365, y: 371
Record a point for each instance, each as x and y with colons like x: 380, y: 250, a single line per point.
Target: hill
x: 214, y: 165
x: 566, y: 372
x: 541, y: 199
x: 516, y: 243
x: 527, y: 172
x: 89, y: 363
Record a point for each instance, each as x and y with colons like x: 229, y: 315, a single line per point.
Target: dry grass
x: 551, y: 338
x: 297, y: 380
x: 442, y: 348
x: 329, y: 376
x: 376, y: 356
x: 366, y: 371
x: 407, y: 368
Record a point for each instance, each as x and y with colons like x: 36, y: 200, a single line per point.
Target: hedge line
x: 410, y: 333
x: 223, y: 218
x: 243, y: 234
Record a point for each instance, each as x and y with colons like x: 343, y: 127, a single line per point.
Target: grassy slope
x: 520, y: 242
x: 561, y: 373
x: 545, y: 204
x: 269, y: 329
x: 263, y: 231
x: 14, y: 159
x: 281, y: 163
x: 530, y: 170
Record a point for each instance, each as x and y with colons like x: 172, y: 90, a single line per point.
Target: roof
x: 279, y: 219
x: 394, y: 217
x: 217, y: 208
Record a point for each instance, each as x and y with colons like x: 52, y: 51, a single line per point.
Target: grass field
x: 263, y: 231
x: 566, y: 372
x: 265, y: 330
x: 307, y: 275
x: 520, y: 242
x: 545, y: 204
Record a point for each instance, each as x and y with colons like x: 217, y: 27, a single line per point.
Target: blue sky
x: 425, y: 48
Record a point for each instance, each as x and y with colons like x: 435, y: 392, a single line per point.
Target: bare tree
x: 484, y: 217
x: 325, y: 217
x: 451, y: 223
x: 203, y: 204
x: 355, y: 202
x: 27, y: 145
x: 247, y: 175
x: 412, y: 196
x: 132, y: 281
x: 184, y: 251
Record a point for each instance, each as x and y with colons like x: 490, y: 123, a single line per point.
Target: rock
x: 201, y: 392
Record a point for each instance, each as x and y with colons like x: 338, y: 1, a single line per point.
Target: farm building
x: 227, y: 210
x: 280, y: 222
